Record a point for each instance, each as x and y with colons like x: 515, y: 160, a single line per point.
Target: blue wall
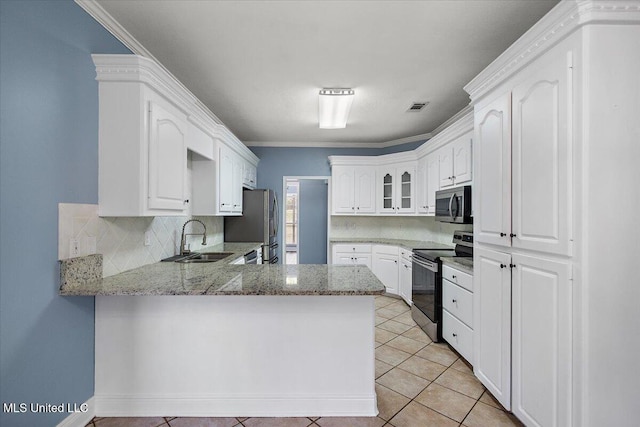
x: 277, y: 162
x: 48, y: 155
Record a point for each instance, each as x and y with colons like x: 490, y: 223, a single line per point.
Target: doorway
x: 306, y: 219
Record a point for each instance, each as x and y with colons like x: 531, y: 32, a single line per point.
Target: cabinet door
x: 542, y: 158
x: 225, y: 185
x: 342, y: 190
x: 421, y: 186
x: 386, y: 191
x: 405, y: 281
x: 492, y: 322
x: 405, y: 193
x: 167, y: 159
x: 445, y: 155
x: 492, y: 187
x: 541, y: 354
x: 462, y: 160
x: 365, y: 189
x: 433, y: 181
x: 237, y: 186
x: 385, y: 267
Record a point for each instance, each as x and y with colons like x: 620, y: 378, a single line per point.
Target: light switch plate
x: 147, y: 238
x: 74, y: 248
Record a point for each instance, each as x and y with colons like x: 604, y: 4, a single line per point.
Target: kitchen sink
x: 204, y: 257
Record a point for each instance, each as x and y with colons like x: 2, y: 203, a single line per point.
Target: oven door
x: 425, y: 290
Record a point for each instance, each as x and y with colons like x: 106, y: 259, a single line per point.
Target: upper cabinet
x: 149, y: 128
x: 455, y: 162
x: 396, y: 188
x: 523, y: 159
x: 353, y: 190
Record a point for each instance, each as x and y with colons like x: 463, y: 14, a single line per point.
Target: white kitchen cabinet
x: 249, y: 175
x: 421, y: 185
x: 492, y: 322
x: 457, y: 309
x: 142, y: 152
x: 458, y: 335
x: 396, y: 188
x: 230, y: 184
x: 523, y: 162
x: 428, y: 182
x: 541, y: 340
x: 455, y: 162
x: 353, y: 190
x: 351, y: 253
x: 405, y: 275
x: 492, y: 189
x: 385, y: 266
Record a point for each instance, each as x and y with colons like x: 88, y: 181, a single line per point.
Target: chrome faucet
x: 186, y: 251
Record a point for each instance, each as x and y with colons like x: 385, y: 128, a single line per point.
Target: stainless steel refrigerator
x: 258, y: 223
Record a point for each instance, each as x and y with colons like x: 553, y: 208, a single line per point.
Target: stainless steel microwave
x: 454, y: 205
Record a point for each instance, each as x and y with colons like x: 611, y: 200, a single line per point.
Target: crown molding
x: 458, y: 125
x: 373, y: 145
x: 384, y: 159
x: 561, y: 21
x: 154, y: 73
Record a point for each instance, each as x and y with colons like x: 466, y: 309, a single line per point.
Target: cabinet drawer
x: 406, y: 254
x: 352, y: 247
x: 458, y: 277
x: 458, y: 335
x: 458, y: 302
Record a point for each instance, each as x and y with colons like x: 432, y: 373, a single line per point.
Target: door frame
x: 284, y: 211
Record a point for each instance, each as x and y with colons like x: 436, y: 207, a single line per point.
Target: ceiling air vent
x: 417, y: 106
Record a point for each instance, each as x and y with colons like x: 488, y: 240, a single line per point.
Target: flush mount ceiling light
x: 334, y: 108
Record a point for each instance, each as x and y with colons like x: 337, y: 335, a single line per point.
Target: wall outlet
x: 147, y: 238
x: 74, y: 248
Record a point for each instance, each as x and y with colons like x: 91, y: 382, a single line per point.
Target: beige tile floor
x: 418, y: 383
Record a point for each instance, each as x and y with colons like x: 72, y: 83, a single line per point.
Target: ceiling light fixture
x: 334, y: 108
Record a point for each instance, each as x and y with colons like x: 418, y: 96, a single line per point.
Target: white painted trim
x: 457, y: 126
x: 80, y: 419
x: 233, y: 406
x: 562, y: 20
x: 387, y: 144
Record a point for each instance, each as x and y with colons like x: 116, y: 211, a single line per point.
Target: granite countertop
x: 407, y: 244
x: 461, y: 263
x: 218, y: 278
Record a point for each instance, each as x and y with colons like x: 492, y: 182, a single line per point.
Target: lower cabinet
x: 386, y: 266
x: 522, y: 344
x: 405, y: 275
x: 457, y: 311
x: 347, y: 253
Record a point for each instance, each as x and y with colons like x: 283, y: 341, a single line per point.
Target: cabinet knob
x: 502, y: 265
x: 358, y: 207
x: 512, y: 266
x: 186, y: 201
x: 453, y: 276
x: 512, y: 235
x: 453, y: 177
x: 454, y: 335
x: 352, y: 208
x: 454, y: 301
x: 396, y: 261
x: 503, y: 234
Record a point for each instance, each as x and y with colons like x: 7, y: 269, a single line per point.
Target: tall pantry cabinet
x: 536, y: 208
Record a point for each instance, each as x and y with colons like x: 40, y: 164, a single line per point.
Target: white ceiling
x: 258, y: 65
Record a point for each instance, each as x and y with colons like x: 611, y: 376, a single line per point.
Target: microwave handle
x: 450, y: 203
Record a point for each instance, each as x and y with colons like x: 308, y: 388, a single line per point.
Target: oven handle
x: 431, y: 266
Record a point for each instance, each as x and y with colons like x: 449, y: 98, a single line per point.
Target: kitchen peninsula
x: 218, y: 339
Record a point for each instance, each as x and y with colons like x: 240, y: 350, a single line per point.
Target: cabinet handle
x: 352, y: 208
x: 454, y: 301
x: 512, y: 235
x: 454, y: 335
x: 512, y: 266
x: 503, y: 234
x: 453, y: 276
x: 502, y: 265
x: 358, y: 207
x: 453, y: 177
x: 186, y: 201
x: 396, y: 261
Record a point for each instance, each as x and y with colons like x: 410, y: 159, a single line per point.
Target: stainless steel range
x: 427, y: 283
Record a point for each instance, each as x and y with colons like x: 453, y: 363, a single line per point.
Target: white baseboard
x: 247, y: 406
x: 80, y: 419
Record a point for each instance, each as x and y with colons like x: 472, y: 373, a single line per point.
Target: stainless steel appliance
x: 454, y: 205
x: 258, y: 223
x: 251, y: 257
x: 426, y: 292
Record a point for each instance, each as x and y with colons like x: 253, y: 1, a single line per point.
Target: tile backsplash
x: 424, y: 228
x: 121, y: 240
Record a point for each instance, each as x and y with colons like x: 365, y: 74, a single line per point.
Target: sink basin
x: 205, y: 257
